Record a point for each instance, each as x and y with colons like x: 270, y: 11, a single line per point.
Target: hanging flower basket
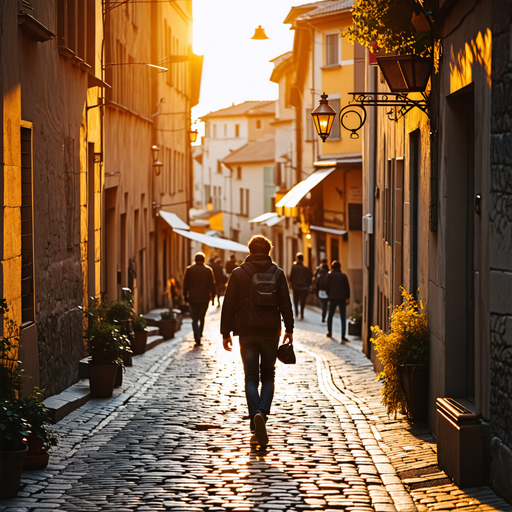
x: 405, y: 73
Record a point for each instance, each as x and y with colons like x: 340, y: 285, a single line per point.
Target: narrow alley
x: 175, y: 437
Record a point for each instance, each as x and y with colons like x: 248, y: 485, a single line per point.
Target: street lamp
x: 157, y: 165
x: 323, y: 116
x: 192, y: 135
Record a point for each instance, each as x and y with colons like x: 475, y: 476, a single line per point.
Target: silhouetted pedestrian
x: 231, y: 264
x: 321, y: 286
x: 300, y: 281
x: 256, y: 318
x: 198, y: 290
x: 338, y: 292
x: 220, y: 279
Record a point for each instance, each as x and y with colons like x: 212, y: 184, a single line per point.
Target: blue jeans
x: 333, y: 304
x: 198, y: 312
x: 259, y: 355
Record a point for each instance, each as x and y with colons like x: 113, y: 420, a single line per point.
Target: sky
x: 237, y: 68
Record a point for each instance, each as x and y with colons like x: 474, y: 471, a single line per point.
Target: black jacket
x: 239, y: 284
x: 198, y: 283
x: 300, y: 276
x: 337, y: 285
x: 321, y: 278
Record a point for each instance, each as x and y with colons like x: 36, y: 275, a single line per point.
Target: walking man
x: 338, y: 292
x: 198, y: 290
x: 231, y: 265
x: 300, y: 280
x: 220, y: 279
x: 258, y: 327
x: 321, y: 284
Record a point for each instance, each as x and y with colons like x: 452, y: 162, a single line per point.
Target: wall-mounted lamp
x: 157, y: 165
x: 192, y: 135
x: 323, y: 116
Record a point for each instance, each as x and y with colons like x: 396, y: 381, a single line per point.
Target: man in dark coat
x: 198, y: 290
x: 258, y: 344
x: 338, y: 292
x: 220, y: 279
x: 300, y: 280
x: 231, y: 265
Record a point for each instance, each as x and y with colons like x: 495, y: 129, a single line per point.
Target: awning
x: 292, y: 198
x: 173, y: 220
x: 212, y: 241
x: 268, y: 219
x: 331, y: 231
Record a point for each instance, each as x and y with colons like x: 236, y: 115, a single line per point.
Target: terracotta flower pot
x: 139, y: 342
x: 101, y: 379
x: 167, y: 328
x: 11, y: 466
x: 36, y: 461
x: 405, y: 73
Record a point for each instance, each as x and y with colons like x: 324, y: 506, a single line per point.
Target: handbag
x: 285, y: 354
x: 322, y: 294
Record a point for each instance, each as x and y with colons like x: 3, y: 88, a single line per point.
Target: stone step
x: 153, y: 330
x: 153, y: 341
x: 68, y: 401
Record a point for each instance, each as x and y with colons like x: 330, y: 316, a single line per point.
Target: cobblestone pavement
x: 176, y: 437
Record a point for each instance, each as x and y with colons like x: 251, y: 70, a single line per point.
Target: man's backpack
x: 262, y: 301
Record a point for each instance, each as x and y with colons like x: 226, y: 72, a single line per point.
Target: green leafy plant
x: 10, y: 371
x: 406, y: 343
x: 105, y: 343
x: 38, y: 418
x: 390, y: 24
x: 357, y: 313
x: 168, y: 315
x: 118, y: 311
x: 139, y: 324
x: 13, y: 426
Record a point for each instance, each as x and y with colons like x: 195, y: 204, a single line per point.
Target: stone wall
x: 500, y: 208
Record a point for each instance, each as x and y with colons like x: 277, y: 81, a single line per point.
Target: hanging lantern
x: 259, y: 33
x: 192, y: 136
x: 323, y: 116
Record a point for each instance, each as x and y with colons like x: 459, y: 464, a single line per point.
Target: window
x: 238, y: 173
x: 336, y: 129
x: 225, y: 130
x: 214, y: 131
x: 219, y: 167
x: 388, y: 203
x: 258, y: 124
x: 278, y: 174
x: 268, y: 187
x: 27, y: 251
x: 244, y: 202
x: 237, y: 130
x: 332, y: 42
x: 310, y: 127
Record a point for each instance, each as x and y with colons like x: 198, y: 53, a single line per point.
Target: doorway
x: 460, y: 245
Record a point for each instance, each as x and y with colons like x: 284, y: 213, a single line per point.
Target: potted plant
x: 41, y: 437
x: 120, y: 313
x: 356, y: 320
x: 403, y: 34
x: 141, y: 335
x: 167, y: 324
x: 403, y: 353
x: 14, y: 428
x: 106, y: 346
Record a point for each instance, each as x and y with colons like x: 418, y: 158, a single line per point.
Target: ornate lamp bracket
x: 400, y: 102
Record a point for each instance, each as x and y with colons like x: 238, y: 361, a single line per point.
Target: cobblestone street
x: 176, y: 437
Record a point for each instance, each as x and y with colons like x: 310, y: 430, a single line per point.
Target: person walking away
x: 338, y: 293
x: 220, y: 279
x: 198, y: 290
x: 300, y: 280
x: 258, y: 327
x: 321, y: 286
x: 231, y: 265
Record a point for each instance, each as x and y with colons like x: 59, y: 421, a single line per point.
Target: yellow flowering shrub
x: 406, y: 343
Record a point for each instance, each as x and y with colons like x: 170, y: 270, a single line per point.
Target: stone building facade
x: 51, y: 186
x: 500, y: 219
